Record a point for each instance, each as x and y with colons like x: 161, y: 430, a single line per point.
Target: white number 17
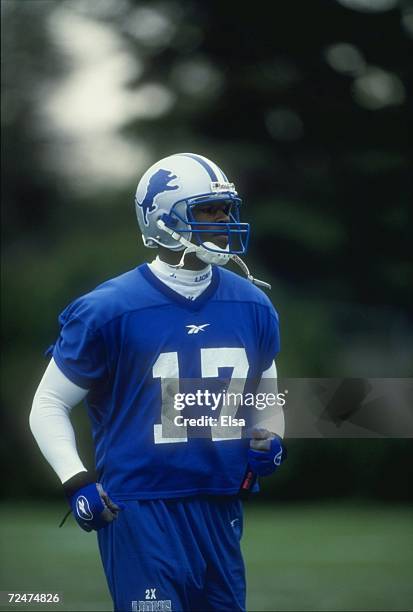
x: 166, y: 368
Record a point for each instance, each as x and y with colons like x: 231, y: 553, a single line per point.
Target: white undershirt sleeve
x: 55, y: 397
x: 272, y: 416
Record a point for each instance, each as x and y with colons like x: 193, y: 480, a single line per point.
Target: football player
x: 165, y: 500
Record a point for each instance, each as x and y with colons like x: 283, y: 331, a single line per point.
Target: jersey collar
x: 195, y: 304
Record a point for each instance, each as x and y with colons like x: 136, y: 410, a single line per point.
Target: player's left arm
x: 267, y: 450
x: 269, y: 414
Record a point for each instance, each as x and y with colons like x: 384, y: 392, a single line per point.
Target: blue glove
x: 91, y: 505
x: 266, y: 461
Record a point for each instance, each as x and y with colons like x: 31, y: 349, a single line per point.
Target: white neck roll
x: 189, y: 283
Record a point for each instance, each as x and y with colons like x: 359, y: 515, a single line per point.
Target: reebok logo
x: 278, y: 457
x: 195, y: 329
x: 83, y: 508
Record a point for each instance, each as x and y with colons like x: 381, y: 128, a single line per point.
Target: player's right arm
x: 50, y: 423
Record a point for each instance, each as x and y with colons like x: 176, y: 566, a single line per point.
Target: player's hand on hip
x: 266, y: 452
x: 91, y: 505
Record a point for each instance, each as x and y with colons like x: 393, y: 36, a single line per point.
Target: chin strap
x: 209, y: 257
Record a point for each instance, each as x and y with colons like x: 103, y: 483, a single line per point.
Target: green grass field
x: 298, y: 557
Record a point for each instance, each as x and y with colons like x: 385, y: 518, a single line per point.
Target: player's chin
x: 220, y: 240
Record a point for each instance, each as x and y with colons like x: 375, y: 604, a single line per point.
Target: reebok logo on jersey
x: 195, y: 329
x: 83, y: 508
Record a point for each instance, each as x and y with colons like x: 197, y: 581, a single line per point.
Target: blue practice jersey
x: 134, y: 343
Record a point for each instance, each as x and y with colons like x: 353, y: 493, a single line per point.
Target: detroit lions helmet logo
x: 158, y: 183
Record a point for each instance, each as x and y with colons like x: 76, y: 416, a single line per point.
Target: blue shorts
x: 176, y: 554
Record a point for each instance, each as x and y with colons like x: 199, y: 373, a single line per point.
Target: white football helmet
x: 169, y: 191
x: 165, y: 199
